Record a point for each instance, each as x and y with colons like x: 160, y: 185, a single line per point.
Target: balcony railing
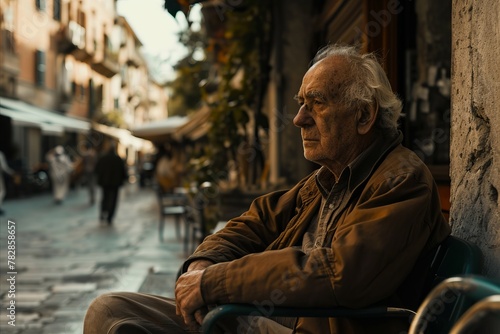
x: 106, y: 59
x: 72, y: 39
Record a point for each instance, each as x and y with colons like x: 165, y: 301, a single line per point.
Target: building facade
x: 72, y: 71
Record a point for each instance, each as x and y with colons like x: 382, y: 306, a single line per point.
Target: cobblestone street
x: 65, y: 258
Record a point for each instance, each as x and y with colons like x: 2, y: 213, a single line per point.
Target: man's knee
x: 104, y: 311
x: 105, y: 305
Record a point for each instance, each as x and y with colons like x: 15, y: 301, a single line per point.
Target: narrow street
x: 64, y: 258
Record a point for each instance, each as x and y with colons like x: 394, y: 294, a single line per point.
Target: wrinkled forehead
x: 329, y: 73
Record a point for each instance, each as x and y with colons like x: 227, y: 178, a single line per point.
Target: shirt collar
x: 360, y: 168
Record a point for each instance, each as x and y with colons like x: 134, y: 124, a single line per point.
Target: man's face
x: 328, y: 128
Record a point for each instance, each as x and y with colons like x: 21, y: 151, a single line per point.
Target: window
x: 77, y: 90
x: 57, y: 10
x: 40, y: 5
x: 40, y: 68
x: 82, y: 92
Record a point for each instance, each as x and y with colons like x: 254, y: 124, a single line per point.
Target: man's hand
x: 188, y: 297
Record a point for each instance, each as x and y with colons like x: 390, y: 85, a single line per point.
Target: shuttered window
x: 40, y: 68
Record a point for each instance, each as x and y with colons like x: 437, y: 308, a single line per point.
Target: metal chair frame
x: 484, y: 311
x: 454, y: 303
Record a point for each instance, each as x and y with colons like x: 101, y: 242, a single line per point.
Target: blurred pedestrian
x: 4, y: 168
x: 89, y: 157
x: 111, y: 173
x: 60, y: 169
x: 167, y: 170
x: 15, y: 185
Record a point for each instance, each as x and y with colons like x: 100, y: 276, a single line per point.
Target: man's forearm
x: 199, y: 265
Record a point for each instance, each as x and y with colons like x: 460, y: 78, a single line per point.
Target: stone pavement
x: 64, y: 258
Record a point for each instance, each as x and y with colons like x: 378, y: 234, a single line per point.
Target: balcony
x: 9, y: 61
x: 106, y: 64
x: 71, y: 39
x: 106, y: 61
x: 134, y: 59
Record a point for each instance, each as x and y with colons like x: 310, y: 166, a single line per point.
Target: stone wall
x: 475, y: 127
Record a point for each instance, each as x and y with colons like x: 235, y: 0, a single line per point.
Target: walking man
x: 111, y: 174
x: 89, y: 162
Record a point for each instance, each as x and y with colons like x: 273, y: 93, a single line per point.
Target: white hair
x: 368, y: 84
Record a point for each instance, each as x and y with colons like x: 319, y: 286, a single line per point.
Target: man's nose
x: 302, y: 118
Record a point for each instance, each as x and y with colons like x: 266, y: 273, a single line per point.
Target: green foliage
x: 185, y: 89
x: 185, y: 92
x: 232, y: 81
x: 245, y: 33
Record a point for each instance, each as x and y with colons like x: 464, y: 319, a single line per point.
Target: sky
x: 157, y: 30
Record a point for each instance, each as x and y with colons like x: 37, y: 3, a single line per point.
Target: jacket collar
x: 364, y: 166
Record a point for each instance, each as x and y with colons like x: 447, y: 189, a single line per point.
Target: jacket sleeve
x: 373, y: 250
x: 253, y: 231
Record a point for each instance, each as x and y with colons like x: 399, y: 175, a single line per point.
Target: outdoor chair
x: 460, y: 305
x: 196, y: 222
x: 452, y: 258
x: 192, y: 227
x: 172, y: 204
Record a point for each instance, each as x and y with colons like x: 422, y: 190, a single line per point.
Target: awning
x: 20, y: 118
x: 25, y: 119
x: 161, y: 130
x: 196, y: 127
x: 123, y: 136
x: 49, y: 122
x: 51, y: 129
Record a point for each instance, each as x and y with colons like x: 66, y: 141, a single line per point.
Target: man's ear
x: 366, y: 118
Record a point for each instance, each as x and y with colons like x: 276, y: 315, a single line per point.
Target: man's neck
x: 337, y: 167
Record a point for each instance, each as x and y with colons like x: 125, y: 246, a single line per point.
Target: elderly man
x: 347, y: 235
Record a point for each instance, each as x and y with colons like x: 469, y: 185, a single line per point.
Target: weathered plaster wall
x: 475, y: 127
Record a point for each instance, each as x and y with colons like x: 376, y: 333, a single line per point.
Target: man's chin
x: 310, y: 156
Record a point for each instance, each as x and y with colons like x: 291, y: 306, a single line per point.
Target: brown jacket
x: 393, y: 216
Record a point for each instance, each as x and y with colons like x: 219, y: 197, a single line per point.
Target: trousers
x: 108, y: 202
x: 137, y: 313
